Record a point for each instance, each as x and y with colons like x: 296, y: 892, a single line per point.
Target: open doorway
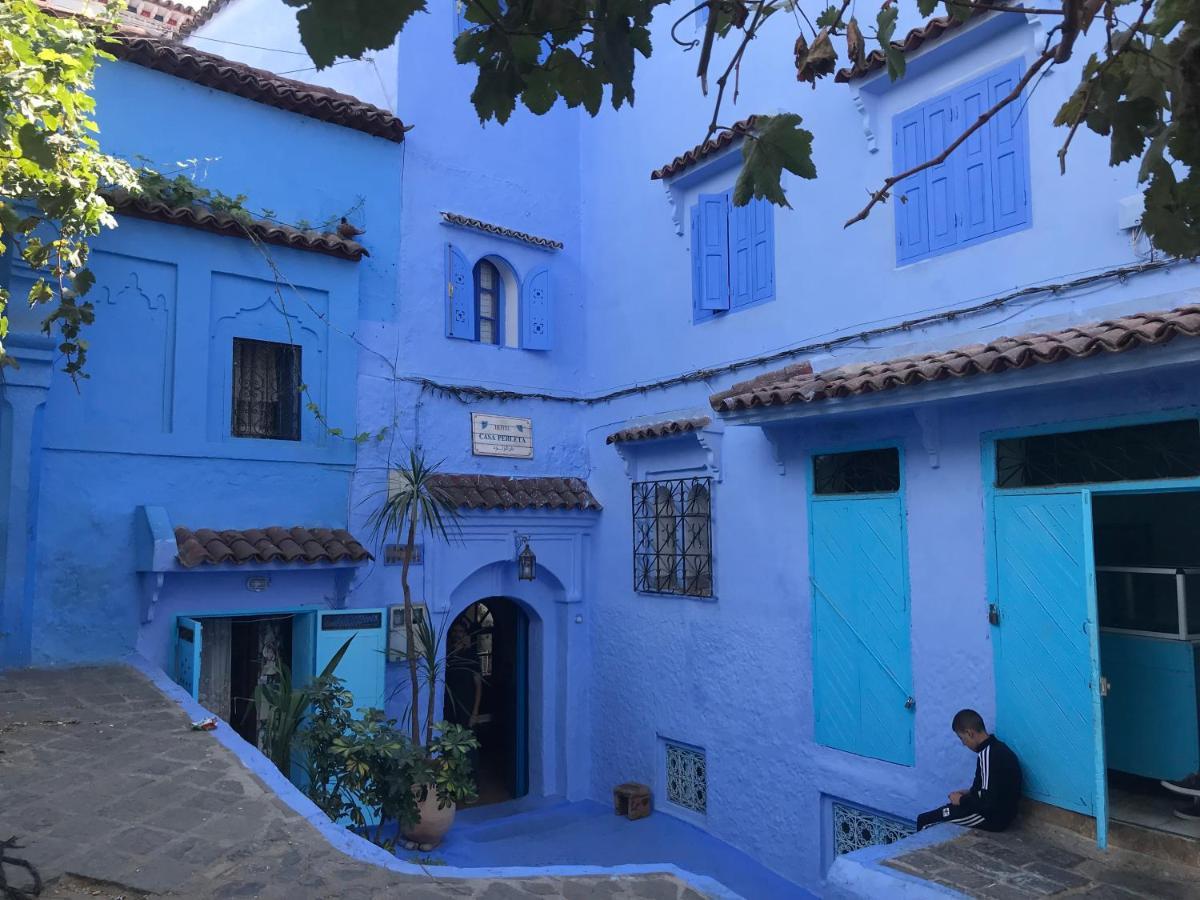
x: 487, y: 691
x: 1147, y: 557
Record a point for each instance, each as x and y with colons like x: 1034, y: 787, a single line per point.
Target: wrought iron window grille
x: 855, y: 828
x: 1126, y: 453
x: 672, y: 537
x: 266, y: 390
x: 857, y: 472
x: 687, y: 778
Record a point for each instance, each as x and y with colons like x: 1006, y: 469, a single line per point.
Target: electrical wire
x: 466, y: 393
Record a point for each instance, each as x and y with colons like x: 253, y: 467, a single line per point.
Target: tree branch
x: 1112, y: 55
x: 751, y: 30
x: 883, y: 192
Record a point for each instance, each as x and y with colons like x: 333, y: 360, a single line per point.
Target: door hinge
x: 910, y: 703
x: 993, y: 614
x: 1104, y: 686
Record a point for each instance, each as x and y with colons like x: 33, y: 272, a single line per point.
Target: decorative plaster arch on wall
x: 548, y: 663
x: 481, y: 563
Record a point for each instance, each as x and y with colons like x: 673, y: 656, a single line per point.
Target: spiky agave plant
x: 413, y: 501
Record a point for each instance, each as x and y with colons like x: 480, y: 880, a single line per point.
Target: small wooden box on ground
x: 631, y: 800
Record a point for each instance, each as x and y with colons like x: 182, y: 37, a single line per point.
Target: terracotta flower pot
x: 434, y: 822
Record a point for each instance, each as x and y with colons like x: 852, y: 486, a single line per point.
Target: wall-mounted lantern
x: 526, y: 561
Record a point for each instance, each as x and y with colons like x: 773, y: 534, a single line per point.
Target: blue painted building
x: 794, y: 496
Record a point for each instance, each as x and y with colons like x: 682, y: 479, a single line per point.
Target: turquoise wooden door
x: 187, y: 654
x: 1047, y: 654
x: 361, y: 669
x: 862, y: 669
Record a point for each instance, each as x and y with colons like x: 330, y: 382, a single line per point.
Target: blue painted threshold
x: 552, y: 833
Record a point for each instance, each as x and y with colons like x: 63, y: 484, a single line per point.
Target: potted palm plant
x: 414, y: 502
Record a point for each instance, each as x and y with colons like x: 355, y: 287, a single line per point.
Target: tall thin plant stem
x: 409, y: 635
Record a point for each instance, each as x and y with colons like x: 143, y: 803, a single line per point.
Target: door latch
x: 993, y: 614
x: 910, y: 703
x: 1104, y: 686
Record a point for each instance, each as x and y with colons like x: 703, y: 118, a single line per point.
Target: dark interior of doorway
x: 486, y: 691
x: 1146, y: 548
x: 237, y: 654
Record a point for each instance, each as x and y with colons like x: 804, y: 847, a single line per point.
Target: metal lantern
x: 526, y: 562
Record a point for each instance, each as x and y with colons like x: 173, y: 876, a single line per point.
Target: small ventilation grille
x: 687, y: 778
x: 855, y: 828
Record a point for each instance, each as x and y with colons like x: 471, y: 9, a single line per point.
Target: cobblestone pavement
x: 1047, y: 862
x: 111, y: 795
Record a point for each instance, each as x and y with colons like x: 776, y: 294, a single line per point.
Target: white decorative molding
x: 931, y: 433
x: 867, y: 117
x: 152, y: 587
x: 775, y: 440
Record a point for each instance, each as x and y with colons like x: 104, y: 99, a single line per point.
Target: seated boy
x: 991, y: 801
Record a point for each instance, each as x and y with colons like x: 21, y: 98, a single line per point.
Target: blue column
x: 23, y: 394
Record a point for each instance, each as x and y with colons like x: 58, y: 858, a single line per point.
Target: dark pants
x: 955, y: 815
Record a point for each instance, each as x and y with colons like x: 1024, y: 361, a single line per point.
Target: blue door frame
x: 1085, y: 493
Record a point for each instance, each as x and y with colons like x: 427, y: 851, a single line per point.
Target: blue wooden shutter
x: 187, y: 654
x: 361, y: 669
x: 939, y: 180
x: 697, y: 269
x: 909, y: 195
x: 1009, y: 145
x: 973, y: 160
x: 714, y: 251
x: 741, y: 252
x: 460, y: 296
x: 762, y: 238
x: 535, y: 310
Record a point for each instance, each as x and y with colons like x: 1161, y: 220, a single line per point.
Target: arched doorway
x: 487, y: 690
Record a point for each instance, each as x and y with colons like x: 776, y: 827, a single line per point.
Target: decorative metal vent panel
x: 672, y: 537
x: 687, y: 778
x: 855, y: 828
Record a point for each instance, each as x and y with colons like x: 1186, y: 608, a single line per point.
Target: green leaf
x: 539, y: 94
x: 779, y: 143
x: 35, y: 147
x: 828, y: 17
x: 330, y: 29
x: 83, y: 281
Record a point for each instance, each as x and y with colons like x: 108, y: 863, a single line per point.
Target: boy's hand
x: 956, y: 797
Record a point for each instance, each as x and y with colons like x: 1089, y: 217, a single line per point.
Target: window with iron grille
x: 266, y: 390
x: 858, y: 472
x: 855, y: 828
x: 1126, y: 453
x: 672, y: 537
x: 687, y: 777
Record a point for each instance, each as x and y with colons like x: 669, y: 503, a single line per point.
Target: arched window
x: 489, y: 303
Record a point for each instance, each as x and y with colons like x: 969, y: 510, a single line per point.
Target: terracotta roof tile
x: 501, y: 492
x: 799, y: 384
x: 222, y: 223
x: 500, y: 231
x: 720, y: 141
x: 203, y: 16
x: 223, y: 74
x: 205, y: 546
x: 874, y: 61
x: 658, y: 430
